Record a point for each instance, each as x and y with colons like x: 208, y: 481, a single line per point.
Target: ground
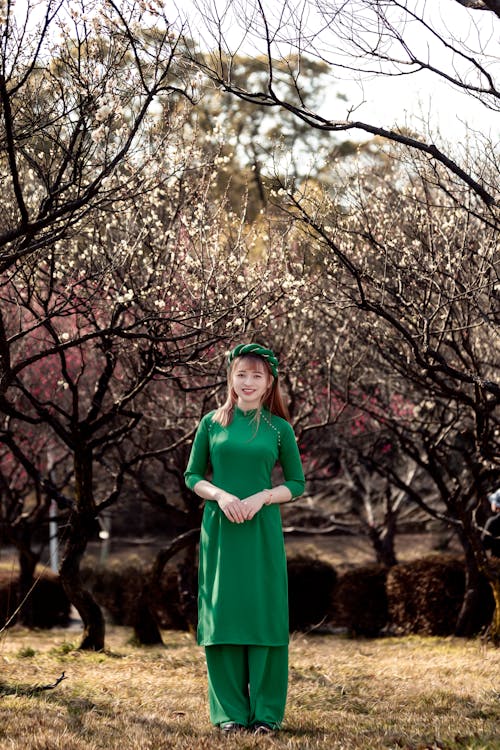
x: 383, y: 694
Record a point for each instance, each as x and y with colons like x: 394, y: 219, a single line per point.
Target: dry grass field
x: 408, y: 693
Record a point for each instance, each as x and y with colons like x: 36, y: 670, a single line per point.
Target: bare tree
x: 136, y: 313
x: 355, y: 41
x: 430, y: 334
x: 82, y: 90
x: 418, y: 277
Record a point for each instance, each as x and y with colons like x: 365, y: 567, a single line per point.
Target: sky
x: 403, y: 100
x: 437, y: 101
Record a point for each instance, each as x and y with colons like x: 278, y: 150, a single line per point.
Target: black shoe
x: 260, y: 727
x: 230, y: 727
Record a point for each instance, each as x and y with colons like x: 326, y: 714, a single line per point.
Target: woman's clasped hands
x: 239, y: 511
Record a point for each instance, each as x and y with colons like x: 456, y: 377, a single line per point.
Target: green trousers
x: 247, y: 684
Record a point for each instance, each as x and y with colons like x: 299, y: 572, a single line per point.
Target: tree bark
x: 383, y: 544
x: 28, y: 561
x: 82, y: 521
x: 93, y: 621
x: 383, y: 539
x: 146, y: 629
x: 468, y: 622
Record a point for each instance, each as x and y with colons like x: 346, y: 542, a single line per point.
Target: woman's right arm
x: 195, y: 472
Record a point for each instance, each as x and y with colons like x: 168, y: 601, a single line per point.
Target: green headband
x: 260, y: 351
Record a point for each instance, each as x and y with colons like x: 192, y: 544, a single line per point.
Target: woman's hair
x: 273, y: 398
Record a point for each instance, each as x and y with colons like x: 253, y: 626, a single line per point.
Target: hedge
x: 360, y: 601
x: 49, y: 604
x: 425, y: 596
x: 422, y: 596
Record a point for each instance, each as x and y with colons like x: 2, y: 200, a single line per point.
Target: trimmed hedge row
x: 311, y: 583
x: 48, y: 604
x: 359, y: 602
x: 423, y: 596
x: 117, y: 588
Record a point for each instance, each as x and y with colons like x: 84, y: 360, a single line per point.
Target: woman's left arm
x: 254, y: 503
x: 294, y: 484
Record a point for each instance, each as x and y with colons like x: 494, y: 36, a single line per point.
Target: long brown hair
x: 273, y: 398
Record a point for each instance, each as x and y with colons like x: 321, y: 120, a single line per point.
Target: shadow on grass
x: 28, y: 690
x: 73, y: 706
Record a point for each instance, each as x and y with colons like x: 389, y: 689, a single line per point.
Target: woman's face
x: 250, y: 382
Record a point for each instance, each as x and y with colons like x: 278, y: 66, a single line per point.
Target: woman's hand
x: 231, y: 506
x: 254, y: 503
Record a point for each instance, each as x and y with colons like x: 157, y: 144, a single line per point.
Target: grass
x: 409, y: 693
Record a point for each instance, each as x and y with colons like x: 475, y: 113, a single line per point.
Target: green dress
x: 242, y: 585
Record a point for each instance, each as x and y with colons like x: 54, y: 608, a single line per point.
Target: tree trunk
x: 146, y: 629
x: 20, y: 535
x: 383, y: 535
x: 80, y: 598
x: 28, y: 561
x: 468, y: 623
x: 383, y: 544
x: 82, y: 521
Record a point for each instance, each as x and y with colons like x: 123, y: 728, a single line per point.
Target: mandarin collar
x: 246, y: 414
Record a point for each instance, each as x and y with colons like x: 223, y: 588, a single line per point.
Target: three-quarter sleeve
x: 199, y: 456
x: 289, y: 458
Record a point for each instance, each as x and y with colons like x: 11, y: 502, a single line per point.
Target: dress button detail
x: 273, y: 427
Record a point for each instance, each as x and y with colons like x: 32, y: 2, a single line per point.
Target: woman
x: 242, y: 591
